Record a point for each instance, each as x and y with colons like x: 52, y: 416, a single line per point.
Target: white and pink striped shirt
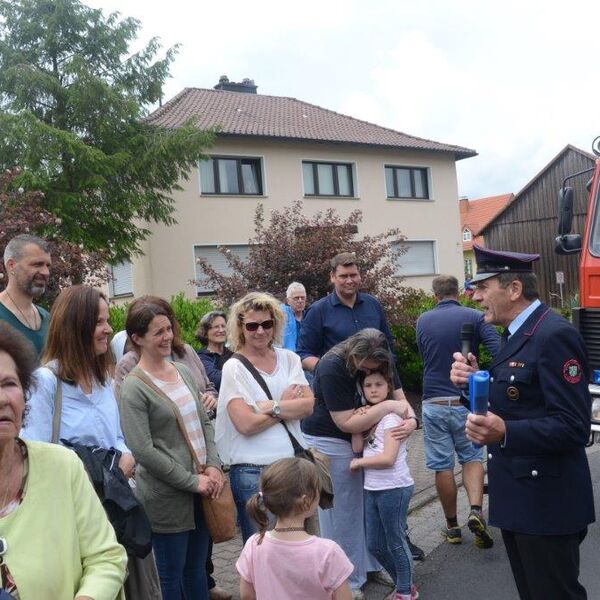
x: 182, y: 397
x: 396, y: 476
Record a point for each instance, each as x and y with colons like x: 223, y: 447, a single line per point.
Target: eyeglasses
x: 253, y: 325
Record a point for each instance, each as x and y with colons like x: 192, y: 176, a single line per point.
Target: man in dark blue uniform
x: 536, y: 430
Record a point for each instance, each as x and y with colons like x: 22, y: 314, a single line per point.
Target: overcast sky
x: 514, y: 80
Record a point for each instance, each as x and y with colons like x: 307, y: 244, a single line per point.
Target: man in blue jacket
x: 444, y: 416
x: 536, y: 430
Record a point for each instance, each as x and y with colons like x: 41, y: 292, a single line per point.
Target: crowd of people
x: 271, y: 381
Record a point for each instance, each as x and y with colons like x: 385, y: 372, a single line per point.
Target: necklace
x: 286, y: 529
x: 32, y: 327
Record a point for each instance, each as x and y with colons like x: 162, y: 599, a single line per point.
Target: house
x: 474, y: 216
x: 529, y: 223
x: 274, y: 150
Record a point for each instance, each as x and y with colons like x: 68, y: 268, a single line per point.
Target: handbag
x: 220, y: 512
x: 316, y: 457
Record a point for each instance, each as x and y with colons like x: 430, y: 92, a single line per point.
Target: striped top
x: 182, y: 397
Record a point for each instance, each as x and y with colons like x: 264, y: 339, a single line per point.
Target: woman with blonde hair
x: 251, y: 428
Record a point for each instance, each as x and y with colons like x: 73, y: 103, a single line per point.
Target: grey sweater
x: 165, y: 476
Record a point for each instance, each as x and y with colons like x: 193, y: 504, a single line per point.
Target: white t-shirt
x: 396, y: 476
x: 237, y: 382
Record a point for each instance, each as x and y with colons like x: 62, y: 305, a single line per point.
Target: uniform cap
x: 491, y: 263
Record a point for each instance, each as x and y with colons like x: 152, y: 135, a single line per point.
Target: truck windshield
x: 595, y: 232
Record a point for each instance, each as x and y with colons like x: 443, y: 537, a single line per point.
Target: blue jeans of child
x: 181, y: 560
x: 386, y: 533
x: 244, y: 484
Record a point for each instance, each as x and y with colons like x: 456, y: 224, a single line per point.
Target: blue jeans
x: 244, y: 484
x: 444, y: 434
x: 386, y: 533
x: 181, y: 560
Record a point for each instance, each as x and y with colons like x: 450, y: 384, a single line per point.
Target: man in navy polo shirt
x: 341, y: 314
x: 444, y: 416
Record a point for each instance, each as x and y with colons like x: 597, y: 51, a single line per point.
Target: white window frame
x: 435, y: 264
x: 115, y: 291
x: 467, y: 235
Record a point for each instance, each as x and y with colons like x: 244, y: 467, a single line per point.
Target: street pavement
x: 448, y: 572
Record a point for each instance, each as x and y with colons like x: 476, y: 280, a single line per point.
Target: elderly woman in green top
x: 55, y: 539
x: 168, y: 431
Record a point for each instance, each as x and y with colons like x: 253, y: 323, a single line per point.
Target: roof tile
x: 257, y: 115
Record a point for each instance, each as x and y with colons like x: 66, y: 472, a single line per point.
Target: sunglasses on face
x: 253, y: 325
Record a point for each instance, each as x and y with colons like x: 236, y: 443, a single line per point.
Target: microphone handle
x: 465, y: 348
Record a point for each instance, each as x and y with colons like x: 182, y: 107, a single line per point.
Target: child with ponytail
x: 286, y: 562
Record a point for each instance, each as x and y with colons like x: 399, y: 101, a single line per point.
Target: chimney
x: 247, y: 86
x: 463, y: 202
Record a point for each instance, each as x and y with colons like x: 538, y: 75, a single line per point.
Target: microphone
x: 466, y: 340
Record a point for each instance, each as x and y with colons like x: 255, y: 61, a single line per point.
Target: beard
x: 35, y: 289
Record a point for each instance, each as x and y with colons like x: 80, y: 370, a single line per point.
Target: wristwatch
x: 276, y: 410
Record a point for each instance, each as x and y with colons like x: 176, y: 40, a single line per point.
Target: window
x: 468, y: 268
x: 467, y: 235
x: 230, y: 175
x: 216, y: 259
x: 406, y: 182
x: 419, y: 258
x: 327, y: 179
x: 121, y: 282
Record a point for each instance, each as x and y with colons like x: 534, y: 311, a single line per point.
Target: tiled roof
x: 257, y: 115
x: 476, y: 214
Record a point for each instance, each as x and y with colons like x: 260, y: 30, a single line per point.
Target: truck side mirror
x: 565, y: 210
x: 567, y: 244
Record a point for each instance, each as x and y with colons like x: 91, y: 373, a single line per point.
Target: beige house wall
x: 169, y: 265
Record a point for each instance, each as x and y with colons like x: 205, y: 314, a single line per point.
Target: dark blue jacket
x: 438, y: 338
x: 539, y: 482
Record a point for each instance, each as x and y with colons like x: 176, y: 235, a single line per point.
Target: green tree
x: 72, y: 104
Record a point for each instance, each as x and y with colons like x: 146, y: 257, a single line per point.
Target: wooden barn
x: 529, y: 223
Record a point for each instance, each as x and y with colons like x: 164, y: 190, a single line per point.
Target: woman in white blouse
x: 76, y: 357
x: 249, y: 430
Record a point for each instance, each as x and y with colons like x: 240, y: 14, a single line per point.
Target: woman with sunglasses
x: 249, y: 430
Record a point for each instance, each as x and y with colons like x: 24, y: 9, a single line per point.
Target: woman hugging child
x: 286, y: 562
x: 389, y: 487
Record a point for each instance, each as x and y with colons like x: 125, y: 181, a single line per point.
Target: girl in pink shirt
x: 286, y: 562
x: 389, y: 487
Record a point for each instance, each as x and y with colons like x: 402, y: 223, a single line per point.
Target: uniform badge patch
x: 572, y: 371
x: 512, y: 392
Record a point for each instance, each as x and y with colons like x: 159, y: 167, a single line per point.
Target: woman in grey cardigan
x: 168, y: 431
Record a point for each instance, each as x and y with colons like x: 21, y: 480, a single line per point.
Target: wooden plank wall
x: 530, y: 224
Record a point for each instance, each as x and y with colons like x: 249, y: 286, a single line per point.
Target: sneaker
x: 478, y: 526
x: 453, y: 535
x: 414, y: 593
x: 417, y: 553
x: 357, y: 594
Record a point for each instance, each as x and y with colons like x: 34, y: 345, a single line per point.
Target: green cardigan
x: 60, y: 542
x: 165, y: 474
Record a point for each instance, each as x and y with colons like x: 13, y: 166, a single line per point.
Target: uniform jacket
x: 539, y: 478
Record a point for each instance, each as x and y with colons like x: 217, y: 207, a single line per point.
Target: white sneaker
x: 358, y: 594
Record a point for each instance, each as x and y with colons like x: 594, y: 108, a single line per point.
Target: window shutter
x: 419, y: 259
x: 122, y: 281
x: 216, y: 260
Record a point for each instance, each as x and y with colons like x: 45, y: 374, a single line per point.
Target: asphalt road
x: 459, y: 572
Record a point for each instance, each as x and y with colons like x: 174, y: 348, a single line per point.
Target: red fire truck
x: 586, y: 317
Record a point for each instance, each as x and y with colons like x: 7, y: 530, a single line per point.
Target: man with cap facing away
x: 538, y: 423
